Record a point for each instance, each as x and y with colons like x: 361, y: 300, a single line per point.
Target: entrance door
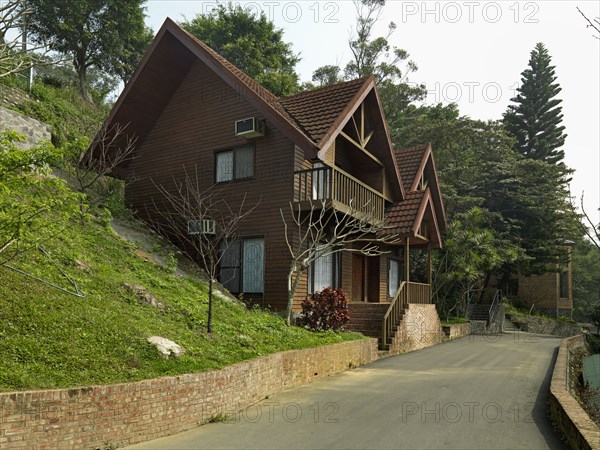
x: 358, y: 278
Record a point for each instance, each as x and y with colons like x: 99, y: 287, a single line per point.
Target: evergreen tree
x: 535, y: 118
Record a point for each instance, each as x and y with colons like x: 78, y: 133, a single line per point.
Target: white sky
x: 468, y: 52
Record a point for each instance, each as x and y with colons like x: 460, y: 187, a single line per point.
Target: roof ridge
x: 411, y: 148
x: 324, y: 88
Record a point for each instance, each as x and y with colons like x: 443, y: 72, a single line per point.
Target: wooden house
x: 191, y: 109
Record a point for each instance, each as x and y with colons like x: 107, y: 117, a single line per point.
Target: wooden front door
x: 358, y: 278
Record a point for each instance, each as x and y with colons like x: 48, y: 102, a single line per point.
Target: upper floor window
x: 235, y: 164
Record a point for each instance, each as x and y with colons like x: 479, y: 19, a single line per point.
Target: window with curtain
x: 393, y: 277
x: 235, y: 164
x: 320, y: 182
x: 243, y: 266
x: 323, y: 273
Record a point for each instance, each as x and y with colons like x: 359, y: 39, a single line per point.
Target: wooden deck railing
x: 326, y: 183
x: 407, y: 293
x: 419, y: 293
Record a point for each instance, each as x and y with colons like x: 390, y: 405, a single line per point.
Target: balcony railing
x: 333, y: 184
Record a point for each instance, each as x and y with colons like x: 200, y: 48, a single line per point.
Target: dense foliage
x: 108, y: 34
x: 250, y: 42
x: 325, y: 310
x: 34, y: 206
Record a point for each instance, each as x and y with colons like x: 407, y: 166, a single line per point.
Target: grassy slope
x: 52, y: 339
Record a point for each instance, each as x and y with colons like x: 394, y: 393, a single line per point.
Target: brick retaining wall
x: 420, y: 327
x: 128, y: 413
x: 580, y: 431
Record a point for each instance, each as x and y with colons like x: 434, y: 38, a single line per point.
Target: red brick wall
x: 128, y: 413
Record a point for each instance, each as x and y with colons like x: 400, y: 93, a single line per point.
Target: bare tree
x: 322, y: 231
x: 112, y: 146
x: 594, y: 25
x: 17, y: 53
x: 591, y: 230
x: 202, y: 221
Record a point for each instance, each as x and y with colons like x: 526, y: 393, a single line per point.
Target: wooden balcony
x: 340, y: 190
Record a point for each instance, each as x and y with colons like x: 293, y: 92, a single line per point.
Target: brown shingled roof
x: 317, y: 110
x: 400, y: 217
x: 409, y: 160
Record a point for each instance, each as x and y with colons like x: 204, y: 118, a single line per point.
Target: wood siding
x: 197, y: 122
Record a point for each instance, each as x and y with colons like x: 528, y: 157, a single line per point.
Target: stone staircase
x: 480, y: 312
x: 367, y: 318
x: 510, y: 326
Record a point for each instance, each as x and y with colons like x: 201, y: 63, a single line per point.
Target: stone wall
x: 576, y: 425
x: 420, y: 327
x: 544, y: 325
x: 128, y: 413
x: 456, y: 330
x: 34, y: 131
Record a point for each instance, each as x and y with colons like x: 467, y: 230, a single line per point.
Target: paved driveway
x: 474, y: 393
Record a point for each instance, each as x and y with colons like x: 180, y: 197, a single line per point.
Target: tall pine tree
x: 535, y: 118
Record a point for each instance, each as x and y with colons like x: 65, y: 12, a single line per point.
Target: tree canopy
x: 97, y: 33
x: 250, y: 42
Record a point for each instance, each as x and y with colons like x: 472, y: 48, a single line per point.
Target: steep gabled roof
x: 415, y: 161
x: 311, y: 120
x: 316, y: 111
x: 163, y: 67
x: 409, y: 161
x: 405, y: 218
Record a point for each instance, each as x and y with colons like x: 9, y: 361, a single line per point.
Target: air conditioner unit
x: 204, y: 226
x: 250, y: 128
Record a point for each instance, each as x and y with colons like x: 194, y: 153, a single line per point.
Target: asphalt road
x: 474, y: 393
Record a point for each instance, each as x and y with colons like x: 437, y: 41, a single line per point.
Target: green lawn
x: 52, y: 339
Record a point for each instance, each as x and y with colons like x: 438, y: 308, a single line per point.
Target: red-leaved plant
x: 325, y: 310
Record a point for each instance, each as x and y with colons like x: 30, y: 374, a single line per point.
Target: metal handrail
x: 494, y: 307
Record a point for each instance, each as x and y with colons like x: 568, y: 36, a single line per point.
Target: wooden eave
x: 336, y: 128
x: 427, y: 204
x: 436, y: 192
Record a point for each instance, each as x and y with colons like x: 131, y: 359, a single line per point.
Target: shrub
x: 325, y: 310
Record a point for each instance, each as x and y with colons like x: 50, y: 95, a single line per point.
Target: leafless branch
x: 111, y: 148
x: 17, y: 53
x: 322, y: 230
x: 595, y: 25
x: 185, y: 201
x: 591, y: 230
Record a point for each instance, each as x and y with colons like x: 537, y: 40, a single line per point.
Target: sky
x: 468, y: 52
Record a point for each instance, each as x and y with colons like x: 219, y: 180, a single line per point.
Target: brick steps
x: 367, y: 318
